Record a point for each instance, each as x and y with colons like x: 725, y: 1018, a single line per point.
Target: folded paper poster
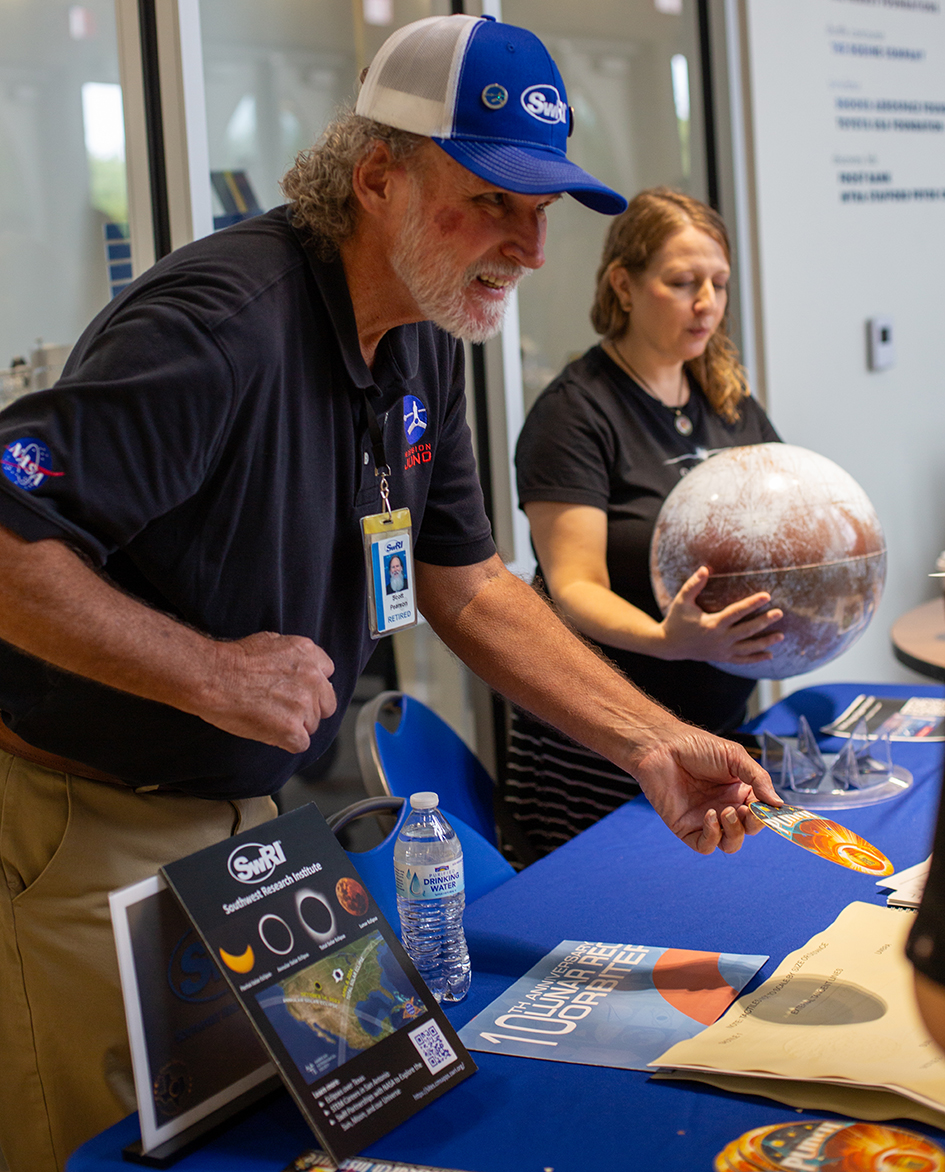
x: 839, y: 1011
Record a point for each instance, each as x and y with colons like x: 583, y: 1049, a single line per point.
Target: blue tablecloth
x: 625, y: 880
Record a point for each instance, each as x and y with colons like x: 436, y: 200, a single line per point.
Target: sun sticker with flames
x: 825, y: 838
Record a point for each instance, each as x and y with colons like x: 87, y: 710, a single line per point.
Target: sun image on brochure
x: 356, y: 1035
x: 616, y: 1005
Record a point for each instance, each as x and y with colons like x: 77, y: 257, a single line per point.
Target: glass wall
x: 62, y: 179
x: 631, y: 68
x: 275, y: 74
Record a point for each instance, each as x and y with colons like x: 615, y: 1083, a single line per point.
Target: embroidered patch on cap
x: 544, y: 103
x: 26, y: 462
x: 415, y: 418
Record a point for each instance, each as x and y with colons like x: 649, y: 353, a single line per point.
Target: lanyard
x: 381, y: 467
x: 388, y: 550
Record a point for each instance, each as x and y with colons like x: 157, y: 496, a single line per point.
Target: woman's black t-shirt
x: 595, y: 437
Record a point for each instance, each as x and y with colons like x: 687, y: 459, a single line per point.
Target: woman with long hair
x: 601, y: 449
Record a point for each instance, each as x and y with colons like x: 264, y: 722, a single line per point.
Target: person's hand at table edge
x: 701, y: 785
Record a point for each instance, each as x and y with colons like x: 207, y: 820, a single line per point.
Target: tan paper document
x: 856, y: 1102
x: 839, y: 1011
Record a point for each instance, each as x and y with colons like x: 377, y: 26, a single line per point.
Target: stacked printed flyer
x: 603, y: 1004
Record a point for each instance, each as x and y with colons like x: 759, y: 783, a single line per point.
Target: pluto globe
x: 782, y: 519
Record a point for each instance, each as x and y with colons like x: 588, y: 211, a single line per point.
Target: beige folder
x: 835, y: 1028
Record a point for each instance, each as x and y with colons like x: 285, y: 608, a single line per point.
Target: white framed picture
x: 194, y: 1051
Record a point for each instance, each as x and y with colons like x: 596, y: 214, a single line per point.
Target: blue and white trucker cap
x: 490, y: 95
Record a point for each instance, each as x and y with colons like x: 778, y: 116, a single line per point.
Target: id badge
x: 388, y: 556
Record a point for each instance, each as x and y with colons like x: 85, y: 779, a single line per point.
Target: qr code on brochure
x: 432, y: 1047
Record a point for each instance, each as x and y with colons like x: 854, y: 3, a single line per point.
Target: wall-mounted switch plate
x: 880, y: 348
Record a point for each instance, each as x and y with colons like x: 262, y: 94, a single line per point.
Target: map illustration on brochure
x: 356, y: 1035
x: 918, y: 718
x: 616, y: 1005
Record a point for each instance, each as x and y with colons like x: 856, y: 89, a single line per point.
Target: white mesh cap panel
x: 412, y: 81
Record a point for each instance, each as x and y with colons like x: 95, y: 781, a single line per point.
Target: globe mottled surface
x: 783, y: 519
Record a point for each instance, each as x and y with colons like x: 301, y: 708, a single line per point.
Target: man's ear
x: 373, y: 179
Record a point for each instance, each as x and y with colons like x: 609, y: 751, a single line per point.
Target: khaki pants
x: 65, y: 843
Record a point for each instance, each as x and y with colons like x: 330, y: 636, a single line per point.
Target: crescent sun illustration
x: 239, y: 964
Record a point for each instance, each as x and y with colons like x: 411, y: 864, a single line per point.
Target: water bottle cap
x: 426, y: 800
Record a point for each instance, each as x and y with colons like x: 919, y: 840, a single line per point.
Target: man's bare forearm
x: 270, y: 687
x: 700, y: 785
x: 513, y: 639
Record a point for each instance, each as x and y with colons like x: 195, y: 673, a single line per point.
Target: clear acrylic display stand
x: 863, y: 774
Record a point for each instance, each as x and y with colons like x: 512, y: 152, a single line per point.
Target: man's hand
x: 271, y: 688
x: 700, y: 785
x: 266, y: 687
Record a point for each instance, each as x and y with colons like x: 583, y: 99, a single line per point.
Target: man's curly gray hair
x: 319, y: 186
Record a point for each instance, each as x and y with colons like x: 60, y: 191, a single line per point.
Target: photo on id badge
x: 392, y: 573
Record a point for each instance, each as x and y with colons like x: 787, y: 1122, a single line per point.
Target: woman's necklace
x: 681, y: 422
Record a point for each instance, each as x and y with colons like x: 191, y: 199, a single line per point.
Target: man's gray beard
x: 438, y: 296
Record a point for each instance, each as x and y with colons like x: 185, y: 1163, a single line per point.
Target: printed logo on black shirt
x: 418, y: 454
x: 26, y: 462
x: 697, y: 456
x: 415, y: 418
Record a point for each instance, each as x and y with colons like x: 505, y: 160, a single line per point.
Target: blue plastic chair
x: 483, y: 866
x: 404, y: 747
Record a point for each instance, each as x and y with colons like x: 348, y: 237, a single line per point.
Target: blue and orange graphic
x: 822, y: 837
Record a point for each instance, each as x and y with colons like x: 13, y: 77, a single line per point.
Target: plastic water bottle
x: 428, y: 870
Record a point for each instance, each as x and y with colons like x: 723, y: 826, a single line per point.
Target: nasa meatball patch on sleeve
x: 27, y: 462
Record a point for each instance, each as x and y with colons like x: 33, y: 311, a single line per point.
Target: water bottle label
x: 429, y: 881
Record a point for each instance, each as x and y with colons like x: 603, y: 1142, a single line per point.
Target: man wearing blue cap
x: 183, y: 605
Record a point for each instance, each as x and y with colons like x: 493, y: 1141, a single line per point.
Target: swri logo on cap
x: 544, y: 103
x: 474, y: 65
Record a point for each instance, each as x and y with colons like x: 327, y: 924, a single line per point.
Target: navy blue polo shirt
x: 207, y: 449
